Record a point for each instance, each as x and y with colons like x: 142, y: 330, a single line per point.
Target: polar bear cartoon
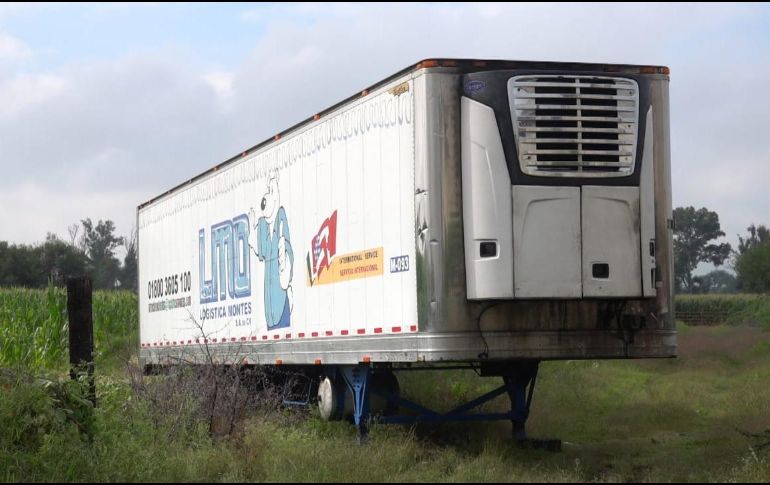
x: 274, y: 249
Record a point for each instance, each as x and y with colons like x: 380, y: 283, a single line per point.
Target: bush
x: 189, y: 424
x: 33, y: 408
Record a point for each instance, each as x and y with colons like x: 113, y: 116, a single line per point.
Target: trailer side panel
x: 311, y: 237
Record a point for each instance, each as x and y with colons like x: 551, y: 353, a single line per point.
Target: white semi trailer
x: 478, y: 213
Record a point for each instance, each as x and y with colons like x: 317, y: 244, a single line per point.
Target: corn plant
x: 33, y: 326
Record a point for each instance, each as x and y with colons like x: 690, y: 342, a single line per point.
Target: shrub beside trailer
x: 460, y: 213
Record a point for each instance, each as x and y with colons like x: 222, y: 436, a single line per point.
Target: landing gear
x: 376, y: 392
x: 335, y: 398
x: 517, y: 380
x: 357, y: 379
x: 520, y: 385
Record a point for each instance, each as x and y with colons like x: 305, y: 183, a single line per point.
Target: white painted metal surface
x: 610, y: 223
x: 546, y: 242
x: 647, y: 211
x: 487, y: 217
x: 310, y: 237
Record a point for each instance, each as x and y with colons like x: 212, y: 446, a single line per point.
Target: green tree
x: 19, y: 266
x: 60, y: 261
x: 100, y: 243
x: 693, y: 233
x: 753, y: 268
x: 756, y: 236
x: 128, y: 274
x: 717, y: 281
x: 32, y: 266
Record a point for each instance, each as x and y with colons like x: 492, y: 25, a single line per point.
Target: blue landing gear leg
x: 357, y: 378
x: 520, y: 384
x: 516, y: 381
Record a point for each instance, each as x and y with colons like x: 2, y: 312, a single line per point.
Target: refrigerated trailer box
x: 457, y: 211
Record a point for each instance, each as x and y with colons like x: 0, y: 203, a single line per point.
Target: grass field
x: 684, y: 419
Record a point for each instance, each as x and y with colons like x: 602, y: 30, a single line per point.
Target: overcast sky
x: 104, y: 106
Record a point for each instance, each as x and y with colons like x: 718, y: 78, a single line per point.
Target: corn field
x: 33, y: 327
x: 730, y: 309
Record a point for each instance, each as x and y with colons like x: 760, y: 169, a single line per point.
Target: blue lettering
x: 230, y: 267
x: 241, y: 277
x: 222, y: 253
x: 207, y: 287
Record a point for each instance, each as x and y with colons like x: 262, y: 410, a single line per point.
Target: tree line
x: 90, y: 251
x: 696, y: 233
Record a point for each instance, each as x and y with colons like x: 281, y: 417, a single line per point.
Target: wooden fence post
x: 81, y: 330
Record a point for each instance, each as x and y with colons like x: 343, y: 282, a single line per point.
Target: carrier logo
x: 229, y: 261
x: 323, y: 247
x: 474, y: 87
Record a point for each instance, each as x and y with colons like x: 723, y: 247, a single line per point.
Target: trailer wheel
x: 330, y: 392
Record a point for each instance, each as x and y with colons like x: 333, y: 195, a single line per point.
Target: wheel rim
x: 327, y: 399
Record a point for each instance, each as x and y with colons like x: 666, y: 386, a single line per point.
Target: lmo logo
x: 229, y: 261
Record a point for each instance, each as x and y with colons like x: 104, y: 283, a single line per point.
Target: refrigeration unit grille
x: 575, y: 126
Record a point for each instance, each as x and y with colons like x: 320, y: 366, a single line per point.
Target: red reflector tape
x: 314, y: 334
x: 396, y: 329
x: 378, y: 330
x: 361, y: 331
x: 413, y: 328
x: 329, y: 333
x: 344, y: 332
